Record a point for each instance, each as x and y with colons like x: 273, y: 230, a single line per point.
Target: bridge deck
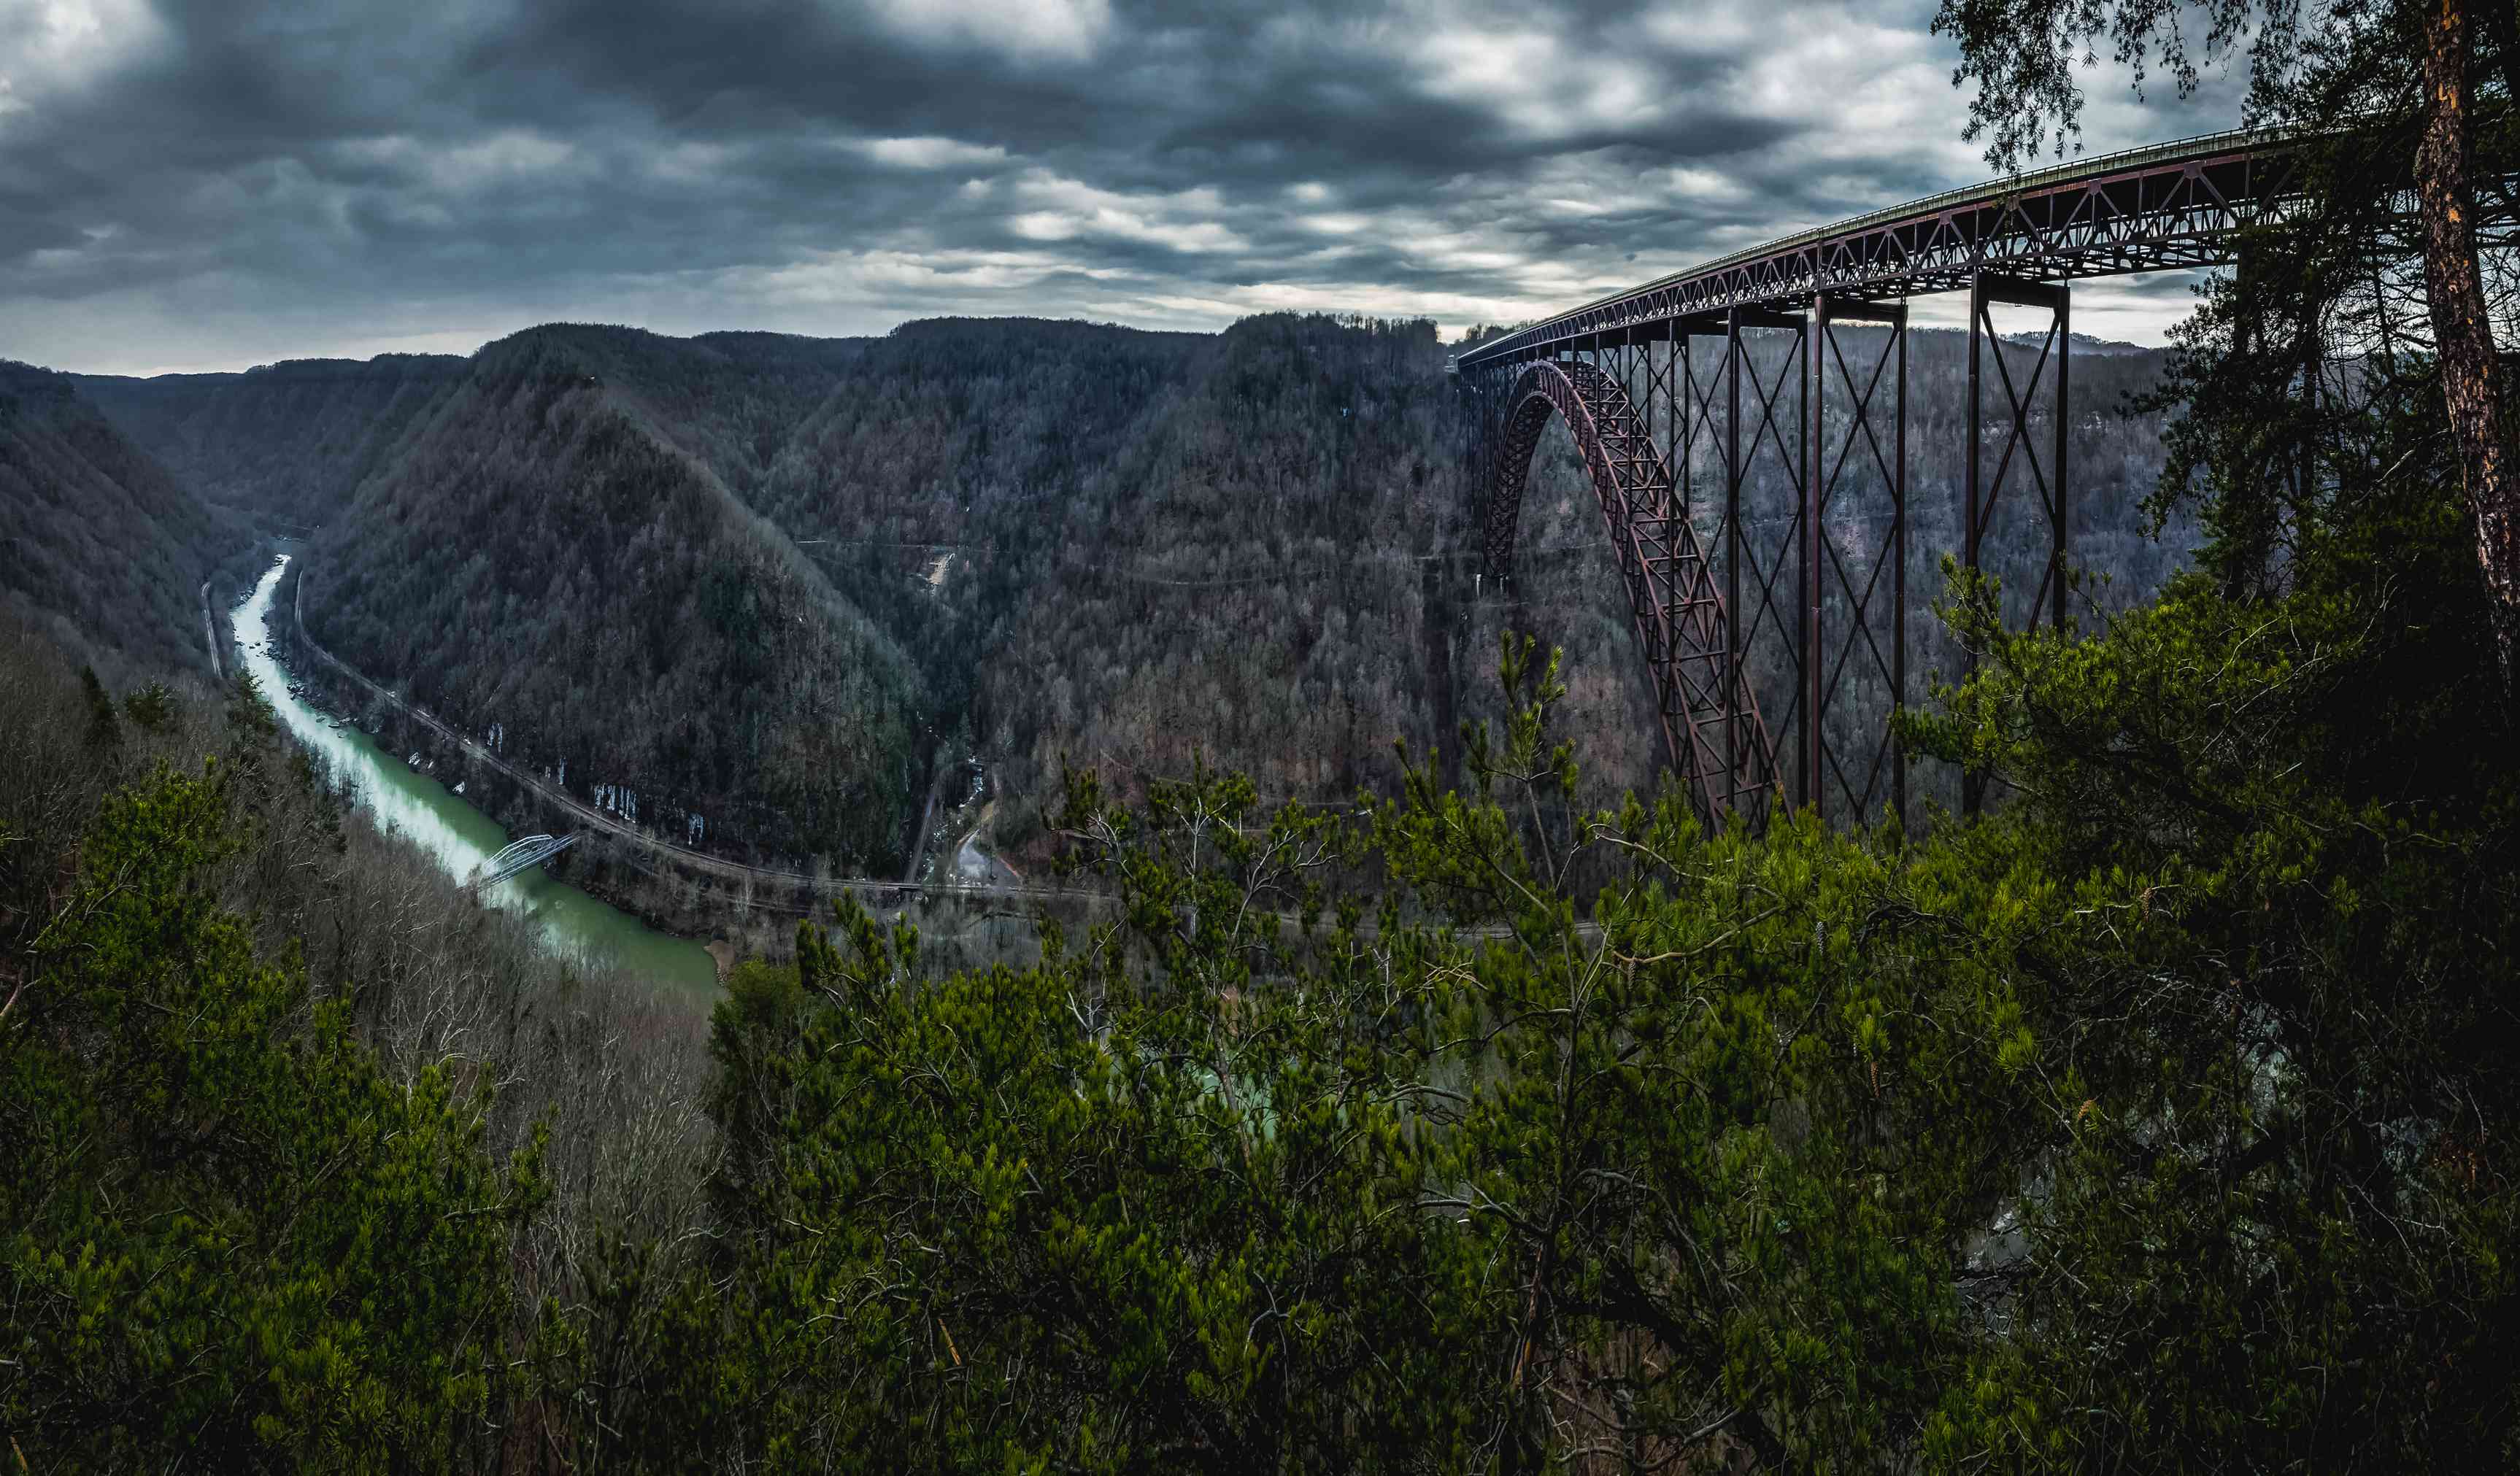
x: 2160, y: 207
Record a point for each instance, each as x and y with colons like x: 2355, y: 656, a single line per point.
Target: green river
x: 460, y: 837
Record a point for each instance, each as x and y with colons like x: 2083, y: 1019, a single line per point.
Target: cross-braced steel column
x: 1858, y: 763
x: 2048, y: 481
x: 1762, y: 612
x: 1706, y: 396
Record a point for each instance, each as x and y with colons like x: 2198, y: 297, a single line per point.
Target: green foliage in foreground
x: 2158, y: 1121
x: 2155, y: 1121
x: 231, y: 1241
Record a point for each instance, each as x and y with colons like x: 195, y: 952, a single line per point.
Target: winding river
x: 458, y: 837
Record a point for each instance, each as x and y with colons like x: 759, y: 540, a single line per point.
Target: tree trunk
x: 2470, y: 370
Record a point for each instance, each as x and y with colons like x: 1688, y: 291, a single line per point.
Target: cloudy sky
x: 211, y: 184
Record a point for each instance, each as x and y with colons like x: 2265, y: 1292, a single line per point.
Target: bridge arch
x: 520, y: 855
x: 1710, y: 716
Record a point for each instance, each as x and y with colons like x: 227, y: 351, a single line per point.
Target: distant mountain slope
x: 959, y: 449
x: 1135, y: 550
x: 291, y: 440
x: 1243, y: 579
x: 961, y: 431
x: 538, y: 554
x: 97, y: 542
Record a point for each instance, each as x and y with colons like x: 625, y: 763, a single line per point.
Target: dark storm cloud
x: 216, y: 183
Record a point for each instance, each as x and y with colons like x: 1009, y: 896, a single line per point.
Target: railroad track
x: 597, y: 820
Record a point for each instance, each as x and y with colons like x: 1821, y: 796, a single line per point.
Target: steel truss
x: 2171, y: 207
x: 2048, y: 480
x: 1710, y: 718
x: 1783, y: 607
x: 1848, y: 764
x: 1771, y: 634
x: 1798, y: 608
x: 1794, y: 598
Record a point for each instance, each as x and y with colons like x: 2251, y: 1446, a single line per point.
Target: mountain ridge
x: 538, y: 557
x: 99, y: 543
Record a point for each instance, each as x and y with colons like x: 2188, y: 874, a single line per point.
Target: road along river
x: 457, y: 835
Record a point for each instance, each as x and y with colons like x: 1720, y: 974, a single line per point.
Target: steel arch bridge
x: 520, y: 855
x: 1719, y: 365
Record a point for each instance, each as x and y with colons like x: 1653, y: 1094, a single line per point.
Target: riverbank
x: 669, y: 887
x: 435, y: 810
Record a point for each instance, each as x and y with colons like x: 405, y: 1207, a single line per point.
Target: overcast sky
x: 219, y: 183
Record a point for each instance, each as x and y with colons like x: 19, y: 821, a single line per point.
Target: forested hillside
x: 880, y: 458
x: 1080, y: 544
x: 97, y: 542
x: 285, y: 440
x: 538, y: 557
x: 1243, y: 579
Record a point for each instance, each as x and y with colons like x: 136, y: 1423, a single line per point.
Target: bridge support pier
x: 1858, y: 768
x: 1697, y: 395
x: 2049, y: 481
x: 1762, y: 614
